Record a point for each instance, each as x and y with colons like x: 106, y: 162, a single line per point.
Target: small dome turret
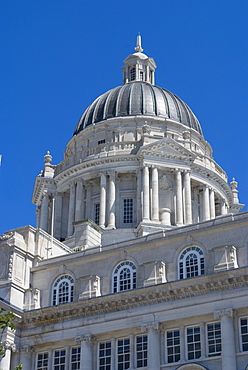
x: 138, y: 66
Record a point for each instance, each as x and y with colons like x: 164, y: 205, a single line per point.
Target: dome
x: 138, y: 98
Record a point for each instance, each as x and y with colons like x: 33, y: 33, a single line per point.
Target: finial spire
x: 138, y: 47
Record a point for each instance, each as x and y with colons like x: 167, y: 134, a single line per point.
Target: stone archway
x: 191, y: 367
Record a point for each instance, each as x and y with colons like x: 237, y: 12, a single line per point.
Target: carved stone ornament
x: 26, y: 349
x: 225, y: 312
x: 164, y: 183
x: 146, y: 129
x: 85, y: 338
x: 6, y: 236
x: 155, y: 325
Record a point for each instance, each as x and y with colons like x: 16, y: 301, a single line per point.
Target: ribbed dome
x: 135, y: 99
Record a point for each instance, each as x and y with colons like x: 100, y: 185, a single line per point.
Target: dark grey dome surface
x: 138, y: 98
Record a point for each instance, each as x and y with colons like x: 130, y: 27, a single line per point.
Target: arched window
x: 63, y: 290
x: 191, y: 263
x: 124, y: 277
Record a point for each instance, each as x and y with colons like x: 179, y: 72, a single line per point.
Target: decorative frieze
x: 134, y: 298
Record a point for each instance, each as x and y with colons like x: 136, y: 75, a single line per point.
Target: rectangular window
x: 59, y: 359
x: 173, y: 346
x: 214, y: 339
x: 244, y: 333
x: 194, y: 342
x: 141, y: 76
x: 42, y: 361
x: 101, y: 141
x: 105, y: 356
x: 123, y: 353
x: 128, y: 211
x: 97, y: 213
x: 141, y: 351
x: 75, y: 358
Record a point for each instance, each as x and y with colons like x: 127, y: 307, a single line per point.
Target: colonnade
x: 189, y: 204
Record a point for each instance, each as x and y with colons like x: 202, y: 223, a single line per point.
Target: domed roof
x: 138, y: 98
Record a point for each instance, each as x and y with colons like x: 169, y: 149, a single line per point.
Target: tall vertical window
x: 193, y: 342
x: 42, y: 361
x: 97, y: 213
x: 173, y: 345
x: 105, y: 356
x: 128, y: 211
x: 191, y: 263
x: 132, y: 74
x: 141, y: 75
x: 244, y: 333
x: 124, y: 277
x: 123, y: 353
x: 214, y: 338
x: 75, y: 358
x: 59, y: 359
x: 63, y: 290
x: 141, y: 351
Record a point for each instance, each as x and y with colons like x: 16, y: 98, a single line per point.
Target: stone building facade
x: 139, y: 256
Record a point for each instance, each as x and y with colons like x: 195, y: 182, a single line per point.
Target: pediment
x: 167, y: 148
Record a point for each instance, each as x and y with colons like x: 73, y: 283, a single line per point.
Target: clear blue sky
x: 58, y: 56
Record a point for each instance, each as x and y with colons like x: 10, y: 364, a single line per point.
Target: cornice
x: 208, y: 173
x: 73, y: 170
x: 136, y: 298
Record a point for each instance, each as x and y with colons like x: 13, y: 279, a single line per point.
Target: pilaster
x: 87, y: 341
x: 153, y: 358
x: 228, y: 352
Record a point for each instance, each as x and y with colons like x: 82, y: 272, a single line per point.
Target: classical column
x: 228, y: 352
x: 146, y: 195
x: 5, y: 361
x: 37, y: 213
x: 153, y: 355
x: 111, y: 216
x: 179, y: 198
x: 86, y: 362
x: 196, y: 206
x: 206, y: 211
x: 79, y: 195
x: 88, y: 199
x: 44, y: 212
x: 138, y: 196
x: 57, y: 215
x: 155, y: 205
x: 212, y: 204
x: 223, y: 209
x: 102, y: 215
x: 71, y: 215
x: 187, y: 195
